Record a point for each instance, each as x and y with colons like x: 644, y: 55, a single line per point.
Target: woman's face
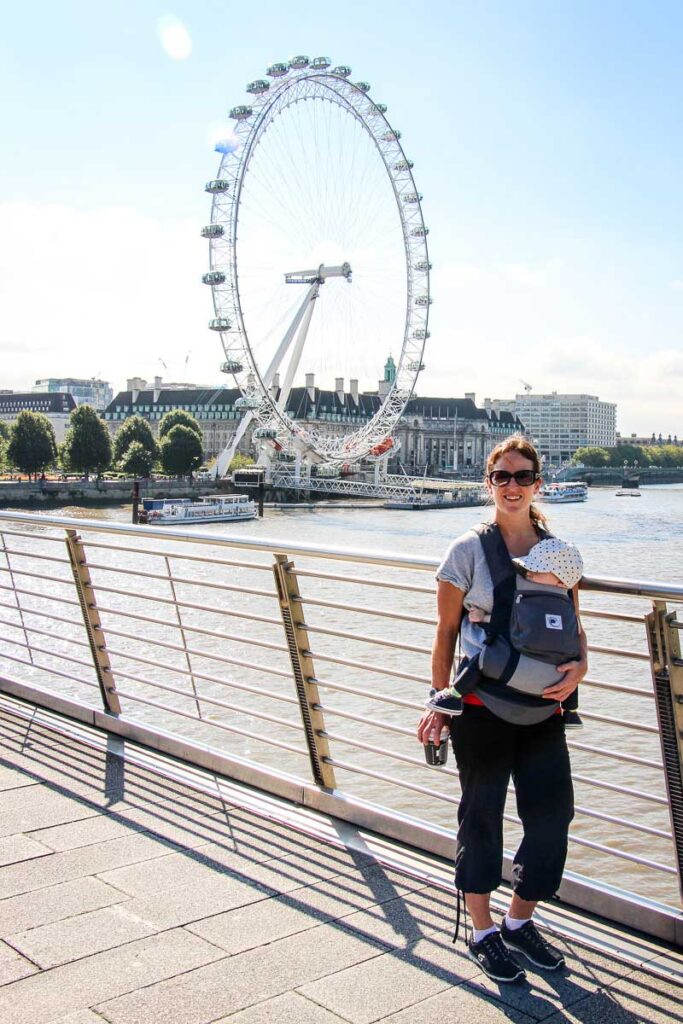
x: 512, y: 499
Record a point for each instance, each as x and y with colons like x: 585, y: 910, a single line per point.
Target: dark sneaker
x: 494, y: 959
x: 572, y: 720
x: 446, y: 702
x: 529, y: 941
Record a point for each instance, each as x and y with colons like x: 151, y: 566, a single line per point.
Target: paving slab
x: 333, y: 899
x: 290, y: 1008
x: 545, y: 992
x: 32, y: 909
x: 192, y: 903
x: 645, y: 993
x: 75, y: 937
x: 459, y: 1005
x: 240, y: 981
x: 79, y: 1017
x: 88, y: 860
x: 19, y: 847
x: 610, y: 1007
x: 77, y: 986
x: 32, y: 807
x: 13, y: 966
x: 96, y: 829
x: 13, y: 778
x: 370, y: 991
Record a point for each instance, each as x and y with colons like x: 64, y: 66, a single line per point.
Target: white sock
x: 513, y: 923
x: 481, y: 933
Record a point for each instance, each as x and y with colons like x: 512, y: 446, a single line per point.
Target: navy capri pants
x: 489, y: 752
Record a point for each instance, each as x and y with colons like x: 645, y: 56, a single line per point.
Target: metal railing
x: 302, y: 670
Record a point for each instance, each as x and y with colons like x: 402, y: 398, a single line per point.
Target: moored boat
x: 557, y: 494
x: 219, y: 508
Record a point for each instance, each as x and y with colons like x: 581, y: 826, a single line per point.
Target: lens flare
x: 174, y: 37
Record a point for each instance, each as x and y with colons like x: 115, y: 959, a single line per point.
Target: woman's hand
x: 574, y: 671
x: 430, y: 726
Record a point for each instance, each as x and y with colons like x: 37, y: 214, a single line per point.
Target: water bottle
x: 436, y: 753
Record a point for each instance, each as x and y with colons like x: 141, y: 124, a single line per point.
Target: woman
x: 491, y: 750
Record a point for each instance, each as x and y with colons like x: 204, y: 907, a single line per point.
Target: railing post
x: 667, y: 677
x: 91, y: 619
x: 296, y: 636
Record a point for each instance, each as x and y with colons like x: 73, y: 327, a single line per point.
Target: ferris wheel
x: 318, y: 264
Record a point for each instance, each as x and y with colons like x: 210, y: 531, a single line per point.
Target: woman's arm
x: 449, y: 605
x: 574, y: 671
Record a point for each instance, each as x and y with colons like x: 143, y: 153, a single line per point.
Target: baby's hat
x: 554, y: 555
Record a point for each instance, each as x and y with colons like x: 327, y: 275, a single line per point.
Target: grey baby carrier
x: 533, y: 628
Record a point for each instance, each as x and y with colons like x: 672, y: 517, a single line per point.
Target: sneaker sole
x: 544, y: 967
x: 494, y: 977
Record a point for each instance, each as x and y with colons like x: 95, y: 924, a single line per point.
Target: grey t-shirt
x: 464, y: 565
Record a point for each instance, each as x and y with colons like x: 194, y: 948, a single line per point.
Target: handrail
x: 161, y: 658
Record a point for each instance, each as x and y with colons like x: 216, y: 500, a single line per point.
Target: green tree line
x: 666, y: 456
x: 29, y: 445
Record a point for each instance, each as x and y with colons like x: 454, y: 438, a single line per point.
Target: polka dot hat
x: 556, y: 556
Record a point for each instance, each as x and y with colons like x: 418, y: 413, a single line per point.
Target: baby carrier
x: 533, y: 628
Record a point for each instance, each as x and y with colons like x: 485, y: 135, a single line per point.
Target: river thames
x: 633, y: 538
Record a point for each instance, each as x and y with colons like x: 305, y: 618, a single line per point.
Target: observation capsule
x: 258, y: 86
x: 220, y: 323
x: 423, y: 265
x: 342, y: 70
x: 231, y: 366
x: 265, y: 433
x: 412, y: 197
x: 320, y: 63
x: 377, y: 108
x: 420, y: 232
x: 421, y: 335
x: 278, y: 69
x: 217, y: 185
x: 299, y: 62
x: 390, y: 137
x: 214, y: 277
x: 404, y: 165
x: 213, y: 231
x: 363, y: 86
x: 416, y: 366
x: 241, y: 113
x: 423, y: 300
x: 248, y: 402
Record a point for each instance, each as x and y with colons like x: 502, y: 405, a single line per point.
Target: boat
x: 629, y: 487
x: 214, y: 508
x: 558, y: 494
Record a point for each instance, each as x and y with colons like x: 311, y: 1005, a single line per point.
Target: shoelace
x: 493, y: 946
x: 533, y: 935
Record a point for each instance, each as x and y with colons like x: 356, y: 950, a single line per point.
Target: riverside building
x: 57, y: 407
x: 436, y: 435
x: 559, y: 424
x: 97, y: 393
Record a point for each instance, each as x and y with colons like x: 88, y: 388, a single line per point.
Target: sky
x: 547, y: 145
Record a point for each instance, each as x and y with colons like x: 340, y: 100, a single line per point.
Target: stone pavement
x: 127, y: 897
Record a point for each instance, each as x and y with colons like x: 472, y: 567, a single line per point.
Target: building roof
x: 36, y: 401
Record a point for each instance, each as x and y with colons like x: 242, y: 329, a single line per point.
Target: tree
x: 32, y: 445
x: 137, y: 460
x: 87, y: 446
x: 591, y: 456
x: 135, y: 429
x: 181, y: 451
x: 4, y: 431
x: 178, y: 417
x: 630, y: 453
x: 240, y: 461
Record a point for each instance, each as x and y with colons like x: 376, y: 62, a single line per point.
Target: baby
x: 553, y: 563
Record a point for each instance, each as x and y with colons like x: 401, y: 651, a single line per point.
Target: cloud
x: 677, y: 285
x: 117, y: 290
x: 522, y: 275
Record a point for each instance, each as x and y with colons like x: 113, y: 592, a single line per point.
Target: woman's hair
x: 520, y: 444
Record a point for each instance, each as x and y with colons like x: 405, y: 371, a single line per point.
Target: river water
x: 636, y: 538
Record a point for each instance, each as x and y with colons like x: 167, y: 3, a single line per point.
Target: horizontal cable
x: 31, y: 536
x: 180, y: 555
x: 165, y: 578
x: 632, y: 691
x: 43, y: 597
x: 363, y: 667
x: 380, y: 612
x: 623, y: 822
x: 204, y: 699
x: 364, y: 581
x: 100, y: 589
x: 361, y: 638
x: 197, y: 652
x: 44, y: 615
x: 34, y: 554
x: 259, y: 691
x: 399, y: 730
x: 372, y: 748
x: 216, y: 725
x: 618, y: 652
x: 622, y: 855
x: 394, y: 701
x: 380, y: 777
x: 595, y: 613
x: 44, y: 632
x: 622, y: 723
x: 69, y: 580
x: 50, y: 669
x: 637, y: 794
x: 615, y: 755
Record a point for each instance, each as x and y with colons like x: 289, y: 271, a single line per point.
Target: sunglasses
x: 523, y: 477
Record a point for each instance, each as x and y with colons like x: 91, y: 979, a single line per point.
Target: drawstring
x: 458, y: 895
